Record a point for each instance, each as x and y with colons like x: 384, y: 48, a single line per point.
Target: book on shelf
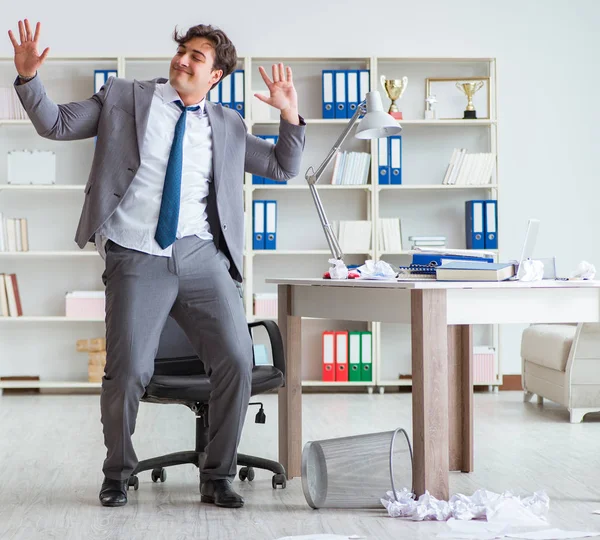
x: 390, y: 234
x: 474, y: 271
x: 353, y: 236
x: 14, y: 234
x: 351, y: 168
x: 469, y: 169
x: 427, y: 241
x: 10, y: 106
x: 10, y: 298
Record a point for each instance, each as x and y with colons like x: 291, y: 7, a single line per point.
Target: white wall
x: 547, y: 82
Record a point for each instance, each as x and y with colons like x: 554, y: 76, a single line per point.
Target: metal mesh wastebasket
x: 356, y: 472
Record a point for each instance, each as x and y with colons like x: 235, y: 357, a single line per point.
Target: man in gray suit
x: 164, y: 204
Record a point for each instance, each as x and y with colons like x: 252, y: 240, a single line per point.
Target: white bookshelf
x: 54, y: 265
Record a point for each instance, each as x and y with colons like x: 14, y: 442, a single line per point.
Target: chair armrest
x: 276, y: 343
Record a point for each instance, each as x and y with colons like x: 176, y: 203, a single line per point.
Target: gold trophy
x: 469, y: 89
x: 394, y: 88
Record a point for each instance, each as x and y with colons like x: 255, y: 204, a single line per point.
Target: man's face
x: 191, y: 70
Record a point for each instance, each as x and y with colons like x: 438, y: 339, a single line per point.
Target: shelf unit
x: 424, y: 205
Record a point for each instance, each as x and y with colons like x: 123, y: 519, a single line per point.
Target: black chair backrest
x: 175, y: 355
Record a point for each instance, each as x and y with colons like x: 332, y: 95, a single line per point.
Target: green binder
x: 366, y: 356
x: 354, y: 367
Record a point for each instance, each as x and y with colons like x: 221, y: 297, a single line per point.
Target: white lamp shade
x: 376, y: 123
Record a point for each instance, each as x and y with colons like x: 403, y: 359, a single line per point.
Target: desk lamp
x: 375, y: 124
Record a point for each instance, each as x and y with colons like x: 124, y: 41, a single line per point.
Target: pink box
x: 265, y: 304
x: 484, y: 365
x: 85, y: 304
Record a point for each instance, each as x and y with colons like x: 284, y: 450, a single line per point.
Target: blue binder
x: 214, y: 94
x: 341, y: 91
x: 101, y: 76
x: 328, y: 94
x: 475, y: 224
x: 491, y: 224
x: 364, y: 84
x: 226, y: 92
x: 258, y: 225
x: 384, y: 160
x: 352, y: 92
x: 395, y: 157
x: 238, y: 91
x: 270, y: 224
x: 437, y: 259
x: 273, y: 139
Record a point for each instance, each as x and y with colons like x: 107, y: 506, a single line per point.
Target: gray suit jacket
x: 118, y: 116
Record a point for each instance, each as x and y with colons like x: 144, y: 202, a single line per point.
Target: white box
x: 31, y: 167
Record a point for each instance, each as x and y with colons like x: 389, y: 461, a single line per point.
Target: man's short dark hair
x: 225, y: 53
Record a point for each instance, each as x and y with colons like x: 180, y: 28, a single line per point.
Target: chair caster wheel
x: 279, y: 480
x: 159, y: 474
x: 133, y: 482
x: 246, y: 473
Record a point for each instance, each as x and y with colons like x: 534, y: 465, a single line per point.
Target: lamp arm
x: 313, y: 177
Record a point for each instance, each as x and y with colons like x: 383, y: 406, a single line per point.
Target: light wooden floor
x: 51, y: 451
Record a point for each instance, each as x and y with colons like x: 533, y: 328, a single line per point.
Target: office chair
x: 179, y: 377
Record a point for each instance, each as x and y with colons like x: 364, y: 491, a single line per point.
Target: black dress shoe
x: 219, y: 492
x: 113, y: 492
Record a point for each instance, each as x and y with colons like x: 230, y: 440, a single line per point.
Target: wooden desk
x: 441, y: 315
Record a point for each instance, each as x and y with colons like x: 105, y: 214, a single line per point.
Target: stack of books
x: 390, y: 236
x: 353, y: 236
x: 474, y: 271
x: 10, y: 106
x: 14, y: 234
x: 351, y: 168
x: 469, y: 169
x: 427, y: 241
x: 10, y: 298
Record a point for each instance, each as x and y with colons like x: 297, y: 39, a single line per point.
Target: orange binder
x: 341, y: 356
x: 328, y: 356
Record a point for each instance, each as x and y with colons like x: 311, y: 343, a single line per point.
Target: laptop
x: 533, y: 226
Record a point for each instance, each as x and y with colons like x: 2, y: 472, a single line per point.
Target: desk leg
x: 430, y: 392
x: 460, y: 397
x: 290, y: 396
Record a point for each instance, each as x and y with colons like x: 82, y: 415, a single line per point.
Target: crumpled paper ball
x: 533, y: 270
x: 585, y: 270
x: 376, y: 270
x: 337, y: 270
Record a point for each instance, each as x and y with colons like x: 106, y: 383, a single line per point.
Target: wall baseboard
x: 511, y: 383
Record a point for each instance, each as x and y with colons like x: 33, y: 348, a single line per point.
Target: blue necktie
x: 168, y: 218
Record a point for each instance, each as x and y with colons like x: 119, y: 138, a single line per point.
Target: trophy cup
x: 470, y: 89
x: 429, y: 110
x: 394, y: 88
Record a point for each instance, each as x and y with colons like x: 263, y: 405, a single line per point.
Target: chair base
x: 158, y: 464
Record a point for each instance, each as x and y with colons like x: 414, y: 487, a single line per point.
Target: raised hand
x: 27, y: 58
x: 283, y: 94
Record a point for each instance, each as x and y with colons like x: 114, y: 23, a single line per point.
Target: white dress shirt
x: 134, y: 222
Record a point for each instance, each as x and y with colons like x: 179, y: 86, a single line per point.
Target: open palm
x: 282, y: 92
x: 27, y: 58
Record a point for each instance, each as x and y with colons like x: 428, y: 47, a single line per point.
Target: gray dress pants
x: 195, y: 287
